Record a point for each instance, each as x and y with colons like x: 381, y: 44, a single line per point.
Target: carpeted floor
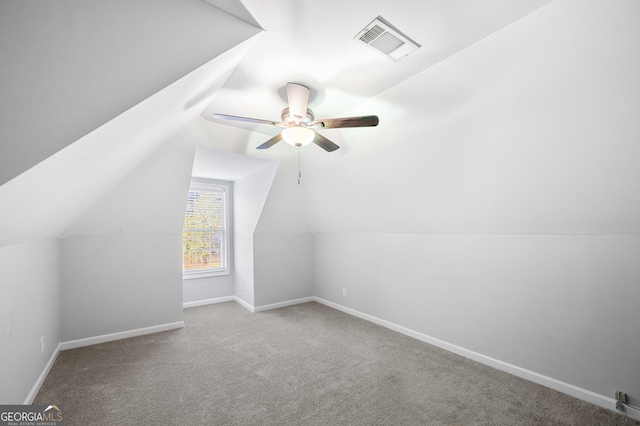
x: 301, y: 365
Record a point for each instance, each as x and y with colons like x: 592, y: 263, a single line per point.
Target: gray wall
x: 30, y: 283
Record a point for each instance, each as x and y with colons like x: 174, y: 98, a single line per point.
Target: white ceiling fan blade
x: 298, y: 97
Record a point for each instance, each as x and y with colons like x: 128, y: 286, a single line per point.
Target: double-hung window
x: 205, y: 236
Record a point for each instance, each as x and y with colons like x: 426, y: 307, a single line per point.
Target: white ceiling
x: 214, y: 164
x: 311, y: 43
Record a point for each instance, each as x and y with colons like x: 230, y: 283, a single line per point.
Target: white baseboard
x: 283, y: 304
x: 72, y: 344
x: 243, y: 303
x: 247, y: 305
x: 43, y: 375
x: 566, y: 388
x: 208, y: 302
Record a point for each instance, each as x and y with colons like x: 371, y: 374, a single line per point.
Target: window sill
x: 208, y: 274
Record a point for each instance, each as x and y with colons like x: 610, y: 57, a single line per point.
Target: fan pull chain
x: 299, y: 168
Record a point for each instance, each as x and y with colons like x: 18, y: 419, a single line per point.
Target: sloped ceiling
x: 70, y: 66
x: 533, y: 130
x: 235, y: 8
x: 85, y: 71
x: 46, y: 199
x: 311, y: 43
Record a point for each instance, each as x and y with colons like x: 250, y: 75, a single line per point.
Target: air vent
x: 386, y: 39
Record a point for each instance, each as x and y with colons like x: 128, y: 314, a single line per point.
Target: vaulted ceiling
x: 71, y: 66
x: 90, y: 89
x: 312, y: 43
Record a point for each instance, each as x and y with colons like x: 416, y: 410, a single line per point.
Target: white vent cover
x: 386, y: 39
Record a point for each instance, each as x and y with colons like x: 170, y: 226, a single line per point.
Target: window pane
x: 203, y: 238
x: 202, y: 249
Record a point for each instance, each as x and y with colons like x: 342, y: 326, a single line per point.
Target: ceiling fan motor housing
x: 288, y: 120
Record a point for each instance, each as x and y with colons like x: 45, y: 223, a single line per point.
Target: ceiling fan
x: 298, y: 122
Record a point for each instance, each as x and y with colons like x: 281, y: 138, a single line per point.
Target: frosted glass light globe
x: 298, y: 135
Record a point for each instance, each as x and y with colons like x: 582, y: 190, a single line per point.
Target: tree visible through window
x: 204, y: 237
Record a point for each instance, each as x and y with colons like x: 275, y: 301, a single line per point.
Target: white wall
x: 496, y: 205
x: 198, y: 289
x: 30, y: 283
x: 282, y: 240
x: 119, y: 283
x: 567, y: 307
x: 104, y: 289
x: 122, y: 262
x: 283, y: 267
x: 250, y: 193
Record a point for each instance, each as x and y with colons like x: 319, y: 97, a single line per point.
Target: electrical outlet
x: 42, y: 344
x: 344, y: 291
x: 241, y: 286
x: 621, y: 400
x: 621, y: 396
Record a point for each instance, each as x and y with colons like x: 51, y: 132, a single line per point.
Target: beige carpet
x: 302, y: 365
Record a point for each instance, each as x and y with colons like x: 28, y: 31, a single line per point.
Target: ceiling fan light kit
x: 298, y: 135
x: 298, y: 122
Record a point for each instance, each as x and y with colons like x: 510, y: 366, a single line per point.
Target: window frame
x: 201, y: 184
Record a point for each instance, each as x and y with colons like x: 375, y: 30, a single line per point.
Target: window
x: 205, y: 236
